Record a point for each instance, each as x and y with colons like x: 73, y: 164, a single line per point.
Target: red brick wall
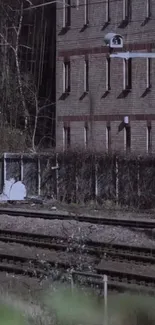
x: 74, y: 44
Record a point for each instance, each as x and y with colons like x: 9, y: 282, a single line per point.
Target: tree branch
x: 6, y: 42
x: 18, y: 67
x: 15, y: 50
x: 35, y: 123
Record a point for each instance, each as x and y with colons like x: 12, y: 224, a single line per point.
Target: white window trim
x: 148, y: 77
x: 86, y: 137
x: 107, y: 138
x: 107, y: 11
x: 85, y: 12
x: 125, y: 148
x: 66, y: 70
x: 148, y: 129
x: 148, y: 4
x: 127, y: 78
x: 124, y: 74
x: 63, y: 138
x: 64, y: 14
x: 147, y: 139
x: 77, y: 4
x: 64, y: 78
x: 107, y: 74
x: 85, y: 75
x: 124, y: 9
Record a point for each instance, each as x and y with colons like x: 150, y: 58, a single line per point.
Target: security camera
x: 113, y: 40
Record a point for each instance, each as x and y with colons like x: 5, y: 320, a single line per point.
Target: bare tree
x: 33, y: 94
x: 20, y: 94
x: 15, y: 49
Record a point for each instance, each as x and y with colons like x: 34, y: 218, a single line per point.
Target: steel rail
x: 134, y: 223
x: 115, y: 252
x: 11, y: 235
x: 118, y: 280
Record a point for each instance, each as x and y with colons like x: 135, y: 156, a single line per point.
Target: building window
x: 108, y: 63
x: 66, y: 77
x: 108, y: 138
x: 107, y: 11
x: 127, y: 138
x: 66, y: 13
x: 86, y: 136
x: 77, y: 4
x: 149, y: 139
x: 86, y: 12
x: 66, y: 137
x: 148, y: 8
x: 126, y: 10
x: 127, y: 74
x: 86, y: 76
x: 148, y: 73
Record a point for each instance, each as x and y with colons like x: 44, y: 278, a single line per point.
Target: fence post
x: 72, y: 281
x: 96, y: 181
x: 4, y: 168
x: 138, y: 178
x: 105, y: 281
x: 57, y: 177
x: 39, y: 177
x: 117, y: 180
x: 21, y: 168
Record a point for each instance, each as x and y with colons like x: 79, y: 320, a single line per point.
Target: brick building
x: 95, y: 94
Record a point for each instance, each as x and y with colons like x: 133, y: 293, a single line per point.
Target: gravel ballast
x: 43, y: 255
x: 77, y: 230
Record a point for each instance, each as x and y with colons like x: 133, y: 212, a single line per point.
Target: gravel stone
x: 77, y: 230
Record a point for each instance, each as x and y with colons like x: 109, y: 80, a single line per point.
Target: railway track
x: 130, y: 223
x: 28, y: 266
x: 117, y: 280
x: 121, y: 253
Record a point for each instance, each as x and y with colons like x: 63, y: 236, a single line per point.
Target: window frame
x: 66, y: 77
x: 86, y: 129
x: 66, y: 13
x: 126, y: 10
x: 148, y: 73
x: 86, y: 12
x: 108, y: 138
x: 149, y: 138
x: 107, y: 11
x: 148, y: 9
x: 86, y: 75
x: 127, y: 74
x: 127, y: 138
x: 66, y: 137
x: 108, y: 74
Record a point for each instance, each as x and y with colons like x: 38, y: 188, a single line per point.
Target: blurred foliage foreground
x: 82, y: 307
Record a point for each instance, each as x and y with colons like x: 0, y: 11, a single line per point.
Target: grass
x: 62, y: 306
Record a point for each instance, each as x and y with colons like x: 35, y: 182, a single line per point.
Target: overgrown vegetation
x: 85, y: 177
x: 64, y: 306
